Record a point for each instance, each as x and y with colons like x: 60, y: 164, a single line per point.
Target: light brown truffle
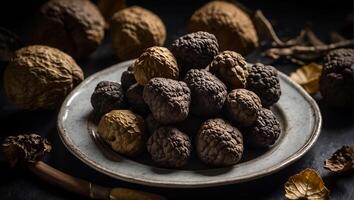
x: 40, y: 77
x: 134, y: 29
x: 232, y: 27
x: 155, y: 62
x: 124, y: 131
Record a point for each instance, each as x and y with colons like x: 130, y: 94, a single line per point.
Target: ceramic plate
x: 297, y: 112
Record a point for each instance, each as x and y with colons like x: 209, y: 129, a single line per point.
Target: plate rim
x: 291, y: 159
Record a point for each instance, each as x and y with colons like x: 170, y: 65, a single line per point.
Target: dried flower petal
x: 308, y: 77
x: 306, y: 185
x: 25, y: 148
x: 341, y: 161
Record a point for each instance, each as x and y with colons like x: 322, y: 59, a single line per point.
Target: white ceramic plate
x: 297, y: 112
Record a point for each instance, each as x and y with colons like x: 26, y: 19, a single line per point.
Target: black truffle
x: 169, y: 147
x: 167, y: 99
x: 336, y: 82
x: 219, y: 143
x: 152, y: 124
x: 134, y: 97
x: 107, y: 96
x: 264, y: 81
x: 195, y: 50
x: 128, y: 78
x: 265, y: 130
x: 208, y: 92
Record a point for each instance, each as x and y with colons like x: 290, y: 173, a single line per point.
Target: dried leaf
x: 341, y: 161
x: 308, y: 77
x: 306, y: 185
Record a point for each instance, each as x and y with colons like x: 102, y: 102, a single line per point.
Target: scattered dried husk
x: 306, y: 185
x: 308, y: 77
x: 341, y: 161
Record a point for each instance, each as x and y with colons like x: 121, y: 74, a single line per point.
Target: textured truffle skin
x: 195, y: 50
x: 167, y: 99
x: 208, y: 92
x: 107, y: 96
x: 169, y: 147
x: 134, y: 96
x: 231, y: 68
x: 219, y: 143
x: 232, y: 27
x: 265, y: 131
x: 75, y: 27
x: 155, y: 62
x: 40, y: 77
x: 128, y: 78
x: 242, y: 107
x: 134, y: 29
x: 337, y: 78
x: 124, y: 131
x: 264, y: 81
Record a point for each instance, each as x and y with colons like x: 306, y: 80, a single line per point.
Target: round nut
x: 124, y: 131
x: 232, y: 27
x: 169, y: 147
x: 135, y: 29
x: 134, y: 96
x: 219, y: 143
x: 40, y: 77
x: 155, y: 62
x: 231, y: 68
x: 75, y: 27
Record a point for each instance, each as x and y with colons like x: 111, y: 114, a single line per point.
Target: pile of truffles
x: 189, y: 98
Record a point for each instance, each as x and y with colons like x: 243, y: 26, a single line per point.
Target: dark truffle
x: 169, y: 147
x: 134, y: 97
x: 219, y: 143
x: 242, y: 106
x: 167, y: 99
x: 107, y: 96
x: 337, y: 79
x: 152, y: 124
x: 264, y: 81
x: 265, y: 130
x: 127, y: 78
x: 208, y: 92
x: 195, y: 50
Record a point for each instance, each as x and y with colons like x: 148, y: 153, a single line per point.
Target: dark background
x: 288, y: 17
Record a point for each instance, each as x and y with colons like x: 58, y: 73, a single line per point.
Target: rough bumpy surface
x: 155, y: 62
x: 169, y: 147
x: 134, y: 29
x: 242, y: 107
x: 134, y: 96
x: 232, y: 27
x: 219, y: 143
x: 168, y: 99
x: 231, y: 68
x: 264, y: 81
x: 128, y: 78
x: 208, y: 92
x: 124, y: 131
x: 195, y: 50
x: 40, y: 77
x: 75, y: 27
x: 107, y: 96
x: 265, y: 131
x: 337, y: 79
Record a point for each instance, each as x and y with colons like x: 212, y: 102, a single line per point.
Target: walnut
x: 219, y: 143
x: 134, y: 96
x: 9, y: 43
x: 242, y: 107
x: 75, y: 27
x: 167, y: 99
x: 40, y: 77
x: 124, y: 131
x: 341, y: 161
x: 337, y: 79
x: 128, y: 78
x: 155, y: 62
x: 135, y: 29
x: 231, y: 68
x: 232, y: 27
x: 169, y: 147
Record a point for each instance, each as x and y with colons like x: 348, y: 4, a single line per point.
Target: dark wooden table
x: 287, y: 16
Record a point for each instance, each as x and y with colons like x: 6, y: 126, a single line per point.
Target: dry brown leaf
x: 308, y: 77
x: 341, y: 161
x: 306, y: 185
